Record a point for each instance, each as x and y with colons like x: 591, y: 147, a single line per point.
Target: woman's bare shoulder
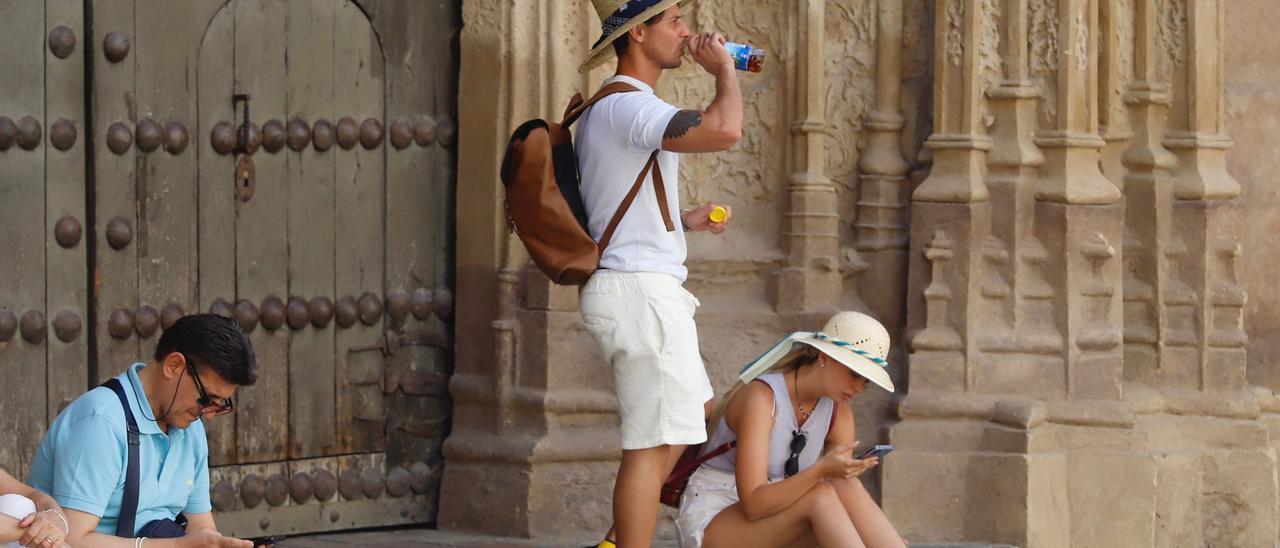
x: 753, y: 399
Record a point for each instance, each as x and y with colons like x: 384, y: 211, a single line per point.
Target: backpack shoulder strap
x: 129, y: 505
x: 577, y: 106
x: 660, y: 191
x: 576, y: 109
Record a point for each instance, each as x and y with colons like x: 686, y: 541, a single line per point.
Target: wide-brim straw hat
x: 854, y: 339
x: 616, y: 21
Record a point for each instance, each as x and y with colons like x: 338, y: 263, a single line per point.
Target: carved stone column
x: 1205, y: 214
x: 1072, y: 175
x: 1078, y: 218
x: 534, y: 420
x: 1150, y: 351
x: 959, y: 143
x: 811, y: 281
x: 883, y: 196
x: 883, y: 188
x: 1197, y: 134
x: 1116, y: 60
x: 1013, y: 286
x: 1014, y: 301
x: 950, y: 223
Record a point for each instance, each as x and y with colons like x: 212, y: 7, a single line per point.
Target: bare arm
x: 749, y: 414
x: 196, y: 522
x: 47, y: 523
x: 719, y: 127
x: 9, y: 530
x: 200, y: 534
x: 842, y: 429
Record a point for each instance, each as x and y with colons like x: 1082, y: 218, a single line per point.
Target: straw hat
x: 854, y: 339
x: 617, y: 17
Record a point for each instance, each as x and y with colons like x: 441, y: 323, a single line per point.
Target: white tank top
x: 784, y: 427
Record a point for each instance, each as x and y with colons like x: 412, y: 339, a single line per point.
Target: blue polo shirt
x: 82, y: 459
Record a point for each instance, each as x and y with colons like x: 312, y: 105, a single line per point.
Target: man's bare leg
x: 673, y: 456
x: 635, y: 495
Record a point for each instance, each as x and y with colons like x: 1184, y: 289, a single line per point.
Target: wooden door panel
x: 164, y: 168
x: 262, y: 250
x: 305, y: 262
x: 215, y: 82
x: 22, y: 240
x: 65, y: 212
x: 115, y: 192
x: 360, y: 195
x: 310, y: 179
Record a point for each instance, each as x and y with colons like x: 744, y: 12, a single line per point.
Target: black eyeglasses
x: 792, y: 466
x: 207, y: 405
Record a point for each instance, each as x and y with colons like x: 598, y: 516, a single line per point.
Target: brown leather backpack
x: 544, y: 201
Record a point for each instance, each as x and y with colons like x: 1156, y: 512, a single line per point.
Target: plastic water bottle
x: 746, y: 56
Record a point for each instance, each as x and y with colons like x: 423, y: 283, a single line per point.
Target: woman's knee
x: 821, y: 496
x: 16, y: 506
x: 845, y: 485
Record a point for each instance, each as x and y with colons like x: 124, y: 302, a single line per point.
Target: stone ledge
x: 431, y: 538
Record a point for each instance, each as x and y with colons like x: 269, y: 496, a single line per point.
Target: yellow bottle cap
x: 718, y: 214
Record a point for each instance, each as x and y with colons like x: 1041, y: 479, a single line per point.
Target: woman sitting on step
x: 20, y: 522
x: 792, y: 479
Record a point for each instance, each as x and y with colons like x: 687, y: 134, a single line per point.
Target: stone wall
x: 1253, y: 98
x: 1066, y: 296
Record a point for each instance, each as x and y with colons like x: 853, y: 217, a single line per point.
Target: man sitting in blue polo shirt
x: 85, y: 462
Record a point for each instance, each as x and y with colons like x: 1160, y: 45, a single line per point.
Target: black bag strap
x: 129, y: 505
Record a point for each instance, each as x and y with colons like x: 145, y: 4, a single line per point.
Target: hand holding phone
x: 266, y: 541
x: 878, y: 451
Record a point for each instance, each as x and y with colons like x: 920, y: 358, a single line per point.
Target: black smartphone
x: 266, y: 541
x: 877, y: 451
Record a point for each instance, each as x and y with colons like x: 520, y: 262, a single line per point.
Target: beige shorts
x: 643, y: 324
x: 709, y: 492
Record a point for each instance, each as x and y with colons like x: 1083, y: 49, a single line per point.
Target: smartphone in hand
x: 266, y: 541
x: 877, y: 451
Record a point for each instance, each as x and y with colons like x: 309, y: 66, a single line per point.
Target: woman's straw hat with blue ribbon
x: 854, y: 339
x: 616, y: 18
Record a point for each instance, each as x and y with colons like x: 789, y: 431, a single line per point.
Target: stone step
x: 430, y: 538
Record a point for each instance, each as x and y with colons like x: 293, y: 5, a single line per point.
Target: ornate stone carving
x: 1071, y: 147
x: 959, y: 141
x: 938, y: 333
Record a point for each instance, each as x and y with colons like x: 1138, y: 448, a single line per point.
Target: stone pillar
x: 883, y: 196
x: 1014, y: 300
x: 959, y: 143
x: 811, y: 281
x: 1204, y: 210
x: 1078, y: 218
x: 1116, y: 60
x: 1015, y: 296
x: 950, y: 222
x: 883, y: 188
x: 1151, y: 347
x: 534, y: 419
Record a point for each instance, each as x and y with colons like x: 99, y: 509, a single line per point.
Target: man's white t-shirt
x: 614, y: 140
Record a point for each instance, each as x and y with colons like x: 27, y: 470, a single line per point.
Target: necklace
x: 804, y: 414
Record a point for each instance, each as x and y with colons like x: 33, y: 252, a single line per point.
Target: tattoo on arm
x: 681, y: 123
